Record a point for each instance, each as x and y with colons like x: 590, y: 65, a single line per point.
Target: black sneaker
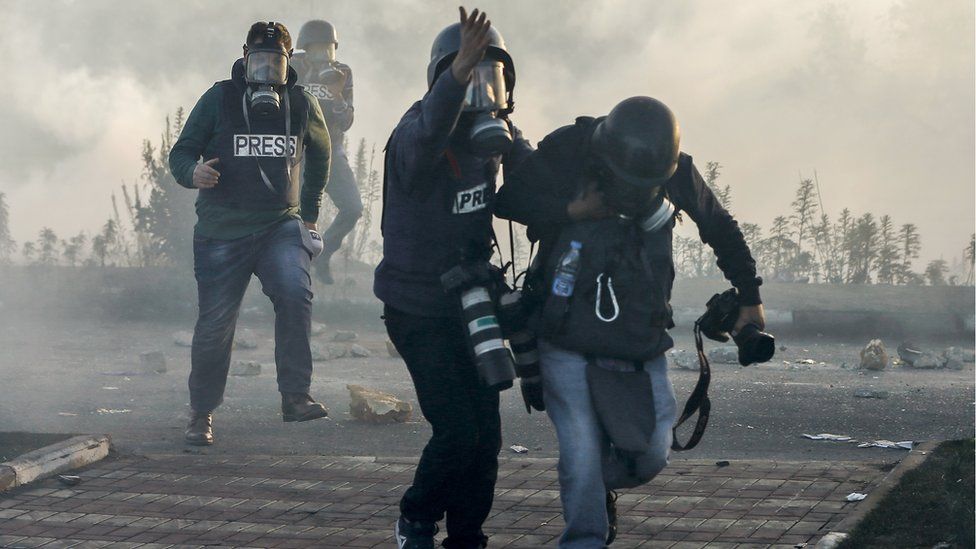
x: 611, y: 516
x: 414, y: 534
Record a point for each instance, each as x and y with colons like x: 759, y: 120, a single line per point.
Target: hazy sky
x: 877, y: 96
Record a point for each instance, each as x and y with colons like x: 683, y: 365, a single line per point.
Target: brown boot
x: 301, y: 407
x: 200, y: 430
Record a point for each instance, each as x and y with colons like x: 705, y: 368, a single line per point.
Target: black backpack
x: 619, y: 307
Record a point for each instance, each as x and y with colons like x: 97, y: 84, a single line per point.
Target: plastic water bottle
x: 566, y: 271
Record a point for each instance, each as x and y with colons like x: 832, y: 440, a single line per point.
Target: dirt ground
x: 82, y: 376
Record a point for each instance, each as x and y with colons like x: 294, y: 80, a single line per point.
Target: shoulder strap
x: 697, y: 402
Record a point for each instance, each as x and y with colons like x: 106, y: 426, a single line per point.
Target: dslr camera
x: 718, y: 322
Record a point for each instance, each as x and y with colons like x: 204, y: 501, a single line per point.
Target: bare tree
x: 7, y: 244
x: 888, y: 258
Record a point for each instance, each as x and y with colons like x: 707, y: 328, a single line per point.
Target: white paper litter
x: 855, y: 496
x: 519, y: 449
x: 903, y: 445
x: 828, y: 436
x: 112, y: 411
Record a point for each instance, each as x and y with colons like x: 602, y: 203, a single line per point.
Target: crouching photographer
x: 601, y: 196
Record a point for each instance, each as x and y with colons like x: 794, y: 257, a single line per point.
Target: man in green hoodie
x: 252, y: 133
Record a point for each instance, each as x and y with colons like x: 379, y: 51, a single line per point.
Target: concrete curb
x: 62, y: 456
x: 916, y: 457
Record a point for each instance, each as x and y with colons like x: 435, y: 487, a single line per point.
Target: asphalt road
x: 63, y: 376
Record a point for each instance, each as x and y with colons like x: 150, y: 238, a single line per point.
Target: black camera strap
x: 697, y: 402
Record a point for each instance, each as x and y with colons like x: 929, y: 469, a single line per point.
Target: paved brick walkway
x: 199, y: 500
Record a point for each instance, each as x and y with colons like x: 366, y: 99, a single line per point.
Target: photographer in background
x: 330, y: 82
x: 253, y: 217
x: 439, y: 196
x: 601, y: 196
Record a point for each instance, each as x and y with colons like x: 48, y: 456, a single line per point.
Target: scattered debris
x: 153, y: 362
x: 903, y: 445
x: 870, y: 393
x: 392, y: 350
x: 724, y: 355
x: 832, y: 540
x: 183, y: 339
x: 328, y: 351
x: 67, y: 414
x: 343, y: 335
x: 856, y: 496
x: 723, y: 463
x: 245, y: 368
x: 874, y: 356
x: 956, y: 358
x: 928, y: 360
x: 318, y: 329
x: 828, y: 436
x: 518, y: 449
x: 683, y: 360
x: 807, y: 361
x: 110, y: 388
x: 245, y: 339
x: 359, y: 351
x: 69, y: 480
x: 113, y: 411
x: 376, y: 406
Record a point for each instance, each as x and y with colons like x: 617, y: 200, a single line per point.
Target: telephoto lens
x: 493, y: 359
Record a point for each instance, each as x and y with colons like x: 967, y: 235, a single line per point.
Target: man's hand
x: 589, y: 205
x: 751, y: 314
x: 205, y: 176
x: 474, y: 42
x: 532, y: 393
x: 312, y: 226
x: 336, y: 88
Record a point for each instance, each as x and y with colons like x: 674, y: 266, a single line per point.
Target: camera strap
x: 697, y: 402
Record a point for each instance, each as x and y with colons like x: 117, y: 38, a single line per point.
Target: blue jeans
x: 584, y: 447
x: 344, y: 192
x: 223, y: 270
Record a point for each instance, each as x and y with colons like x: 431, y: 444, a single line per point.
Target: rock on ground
x: 908, y: 352
x: 956, y: 358
x: 245, y: 368
x: 183, y: 339
x: 728, y: 354
x: 874, y: 356
x: 329, y: 351
x: 376, y: 406
x: 153, y: 362
x: 359, y: 351
x: 682, y: 359
x: 928, y: 360
x: 343, y: 335
x: 245, y: 339
x: 318, y: 329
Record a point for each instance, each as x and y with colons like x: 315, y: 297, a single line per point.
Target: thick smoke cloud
x: 876, y: 96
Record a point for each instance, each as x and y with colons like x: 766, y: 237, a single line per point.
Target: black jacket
x: 538, y: 193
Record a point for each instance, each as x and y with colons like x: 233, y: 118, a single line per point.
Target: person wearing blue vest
x: 601, y: 197
x: 439, y: 193
x: 253, y: 217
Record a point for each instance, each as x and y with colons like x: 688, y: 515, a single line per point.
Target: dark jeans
x: 344, y: 192
x: 223, y: 270
x: 458, y: 468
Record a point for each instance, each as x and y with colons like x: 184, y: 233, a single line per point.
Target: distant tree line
x: 806, y: 245
x: 153, y: 226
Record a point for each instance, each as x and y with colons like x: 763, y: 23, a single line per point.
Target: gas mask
x: 265, y: 70
x: 485, y: 97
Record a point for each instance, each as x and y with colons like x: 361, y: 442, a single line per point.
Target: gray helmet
x: 639, y: 141
x: 316, y: 31
x: 446, y: 46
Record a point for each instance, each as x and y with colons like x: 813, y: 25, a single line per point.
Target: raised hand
x: 475, y: 38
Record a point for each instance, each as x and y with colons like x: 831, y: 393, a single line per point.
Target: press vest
x: 248, y: 143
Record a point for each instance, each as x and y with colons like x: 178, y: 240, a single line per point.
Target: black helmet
x: 639, y: 141
x: 316, y: 31
x: 447, y: 44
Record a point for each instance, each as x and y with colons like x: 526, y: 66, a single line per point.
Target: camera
x: 331, y: 75
x: 721, y: 313
x: 475, y: 284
